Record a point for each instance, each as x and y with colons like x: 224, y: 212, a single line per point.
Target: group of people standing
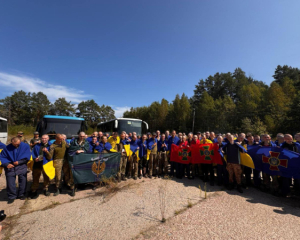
x: 150, y: 158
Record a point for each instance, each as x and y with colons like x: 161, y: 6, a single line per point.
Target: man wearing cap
x: 21, y: 136
x: 35, y: 140
x: 153, y: 162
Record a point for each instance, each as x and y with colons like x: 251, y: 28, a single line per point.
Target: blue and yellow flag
x: 113, y: 141
x: 246, y: 159
x: 47, y: 164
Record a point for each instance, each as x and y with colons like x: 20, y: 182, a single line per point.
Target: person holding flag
x: 133, y: 158
x: 58, y: 151
x: 289, y: 144
x: 266, y: 142
x: 222, y: 173
x: 114, y: 140
x: 94, y: 146
x: 153, y: 161
x: 256, y: 173
x: 14, y: 158
x: 122, y: 149
x: 173, y: 140
x: 105, y: 146
x: 233, y: 167
x: 180, y: 166
x: 204, y: 169
x: 41, y: 156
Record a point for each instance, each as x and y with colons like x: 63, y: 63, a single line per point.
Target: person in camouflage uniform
x: 35, y: 140
x: 123, y: 162
x: 58, y: 151
x: 78, y: 146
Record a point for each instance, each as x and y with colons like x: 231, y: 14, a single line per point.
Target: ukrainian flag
x: 47, y: 164
x: 113, y: 142
x: 245, y: 159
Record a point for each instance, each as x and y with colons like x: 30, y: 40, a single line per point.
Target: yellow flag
x: 137, y: 155
x: 246, y: 160
x: 30, y: 163
x: 127, y: 149
x: 49, y: 169
x: 148, y: 153
x: 113, y: 142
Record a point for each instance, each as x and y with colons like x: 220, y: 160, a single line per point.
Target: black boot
x: 46, y: 193
x: 72, y: 192
x: 239, y: 188
x: 57, y: 192
x: 230, y: 186
x: 33, y: 195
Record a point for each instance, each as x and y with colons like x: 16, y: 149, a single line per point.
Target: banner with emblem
x: 203, y: 153
x: 88, y: 168
x: 275, y: 161
x: 181, y: 154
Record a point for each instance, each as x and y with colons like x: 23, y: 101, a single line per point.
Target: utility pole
x: 193, y: 120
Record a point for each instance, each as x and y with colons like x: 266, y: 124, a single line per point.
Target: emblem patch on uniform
x: 274, y: 161
x: 97, y: 169
x: 207, y: 153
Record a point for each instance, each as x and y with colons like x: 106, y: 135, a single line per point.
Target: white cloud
x: 120, y: 110
x: 30, y: 84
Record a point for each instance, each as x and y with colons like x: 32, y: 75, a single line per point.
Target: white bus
x: 124, y: 124
x: 3, y: 130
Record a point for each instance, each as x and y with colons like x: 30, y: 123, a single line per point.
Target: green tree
x: 40, y: 106
x: 286, y: 71
x: 62, y: 107
x: 17, y: 108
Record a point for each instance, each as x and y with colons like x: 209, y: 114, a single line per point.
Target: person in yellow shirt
x: 207, y: 168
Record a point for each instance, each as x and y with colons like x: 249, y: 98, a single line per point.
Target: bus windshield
x: 64, y: 126
x: 130, y: 126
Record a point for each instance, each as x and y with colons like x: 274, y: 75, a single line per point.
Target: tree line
x: 231, y: 102
x: 27, y: 109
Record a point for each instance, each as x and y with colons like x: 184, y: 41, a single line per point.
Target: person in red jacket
x: 182, y: 168
x: 194, y: 167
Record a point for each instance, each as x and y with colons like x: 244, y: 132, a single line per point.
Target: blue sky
x: 131, y: 53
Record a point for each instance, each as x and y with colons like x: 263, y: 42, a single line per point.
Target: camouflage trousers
x: 58, y: 164
x: 133, y: 166
x: 36, y: 174
x: 236, y: 170
x: 68, y: 176
x: 163, y: 162
x: 122, y: 168
x: 153, y: 163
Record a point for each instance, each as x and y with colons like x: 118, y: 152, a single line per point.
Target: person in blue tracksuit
x: 162, y: 149
x: 143, y: 163
x: 14, y: 158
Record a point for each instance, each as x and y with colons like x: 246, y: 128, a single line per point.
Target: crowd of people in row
x: 150, y: 158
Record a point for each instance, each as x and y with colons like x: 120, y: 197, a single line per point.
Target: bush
x: 27, y: 130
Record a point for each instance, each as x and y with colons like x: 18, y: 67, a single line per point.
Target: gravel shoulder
x: 132, y: 209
